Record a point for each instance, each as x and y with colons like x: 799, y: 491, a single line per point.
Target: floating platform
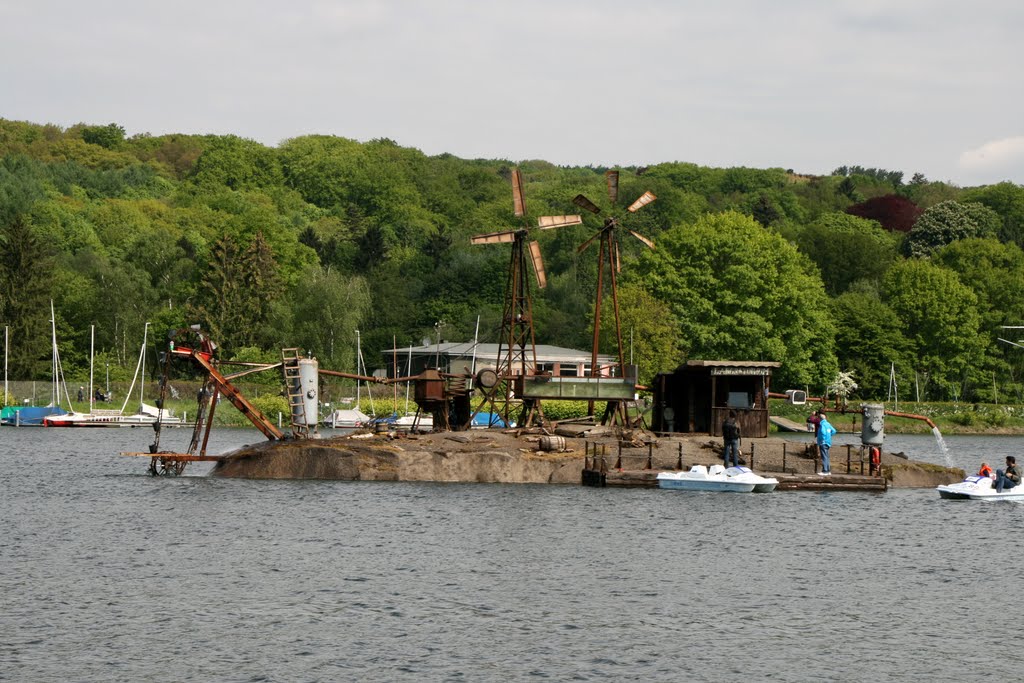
x: 176, y: 457
x: 787, y: 482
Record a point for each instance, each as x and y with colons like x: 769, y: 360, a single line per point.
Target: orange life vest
x: 985, y: 471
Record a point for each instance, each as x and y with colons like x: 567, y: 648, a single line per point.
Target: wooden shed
x: 697, y: 397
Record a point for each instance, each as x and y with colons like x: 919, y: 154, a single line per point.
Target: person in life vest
x: 985, y: 471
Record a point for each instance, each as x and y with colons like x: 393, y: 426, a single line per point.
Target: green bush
x: 565, y: 410
x: 964, y: 419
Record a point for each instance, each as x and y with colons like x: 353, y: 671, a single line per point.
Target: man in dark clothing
x: 731, y: 437
x: 814, y: 423
x: 1008, y: 478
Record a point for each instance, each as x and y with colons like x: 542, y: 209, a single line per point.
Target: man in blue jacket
x: 825, y: 432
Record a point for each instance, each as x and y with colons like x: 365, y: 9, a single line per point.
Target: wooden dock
x: 787, y: 482
x: 786, y: 425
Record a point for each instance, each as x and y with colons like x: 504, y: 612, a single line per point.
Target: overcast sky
x: 913, y: 85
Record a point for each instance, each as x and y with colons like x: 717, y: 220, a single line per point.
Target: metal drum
x: 872, y: 429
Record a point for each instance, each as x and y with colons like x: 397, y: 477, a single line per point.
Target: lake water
x: 107, y: 574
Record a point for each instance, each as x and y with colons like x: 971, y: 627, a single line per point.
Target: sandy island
x: 502, y: 456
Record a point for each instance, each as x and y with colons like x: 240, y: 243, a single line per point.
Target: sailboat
x: 352, y: 418
x: 34, y: 416
x: 146, y: 415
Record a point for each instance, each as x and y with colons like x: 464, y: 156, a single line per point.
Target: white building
x: 469, y: 358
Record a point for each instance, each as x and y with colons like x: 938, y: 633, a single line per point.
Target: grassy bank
x: 950, y: 418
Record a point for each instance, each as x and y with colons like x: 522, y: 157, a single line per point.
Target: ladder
x: 293, y: 392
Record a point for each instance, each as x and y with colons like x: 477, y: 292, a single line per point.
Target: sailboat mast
x: 92, y: 358
x: 142, y: 380
x: 359, y: 368
x: 54, y: 396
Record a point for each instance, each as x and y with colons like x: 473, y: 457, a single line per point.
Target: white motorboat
x: 717, y: 478
x: 979, y: 487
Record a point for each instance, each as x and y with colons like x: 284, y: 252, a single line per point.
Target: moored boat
x: 147, y: 415
x: 346, y: 419
x: 717, y: 478
x: 28, y: 416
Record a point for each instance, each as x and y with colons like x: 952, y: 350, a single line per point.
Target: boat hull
x: 698, y: 485
x: 114, y: 418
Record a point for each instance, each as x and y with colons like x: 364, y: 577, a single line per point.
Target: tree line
x: 304, y: 243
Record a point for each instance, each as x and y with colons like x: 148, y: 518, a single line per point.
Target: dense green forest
x: 304, y: 243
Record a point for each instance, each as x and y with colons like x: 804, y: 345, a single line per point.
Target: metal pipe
x: 911, y: 416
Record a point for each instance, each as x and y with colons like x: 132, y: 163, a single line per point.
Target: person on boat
x: 731, y: 439
x: 825, y: 432
x: 985, y: 470
x: 1008, y: 478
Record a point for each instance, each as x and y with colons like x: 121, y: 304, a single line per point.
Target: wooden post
x: 752, y: 447
x: 650, y: 454
x: 618, y: 461
x: 784, y: 444
x: 679, y: 464
x: 848, y: 446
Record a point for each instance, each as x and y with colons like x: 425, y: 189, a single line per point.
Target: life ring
x: 875, y: 455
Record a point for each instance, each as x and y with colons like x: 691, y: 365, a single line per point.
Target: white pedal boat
x: 717, y: 478
x: 977, y: 487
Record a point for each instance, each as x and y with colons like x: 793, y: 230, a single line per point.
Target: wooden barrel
x: 552, y: 443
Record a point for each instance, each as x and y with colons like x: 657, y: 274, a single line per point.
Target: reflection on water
x: 109, y: 574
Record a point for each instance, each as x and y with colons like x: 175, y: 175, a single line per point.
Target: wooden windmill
x: 608, y: 255
x: 517, y: 344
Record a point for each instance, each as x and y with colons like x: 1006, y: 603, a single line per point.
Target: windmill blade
x: 644, y: 199
x: 586, y: 244
x: 648, y: 242
x: 494, y: 237
x: 613, y: 186
x: 552, y: 222
x: 584, y: 203
x: 538, y: 265
x: 518, y: 203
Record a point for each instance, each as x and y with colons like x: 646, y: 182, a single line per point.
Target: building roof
x: 545, y: 352
x: 734, y: 363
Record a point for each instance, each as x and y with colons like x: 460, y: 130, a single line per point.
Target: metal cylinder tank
x: 309, y: 380
x: 872, y: 429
